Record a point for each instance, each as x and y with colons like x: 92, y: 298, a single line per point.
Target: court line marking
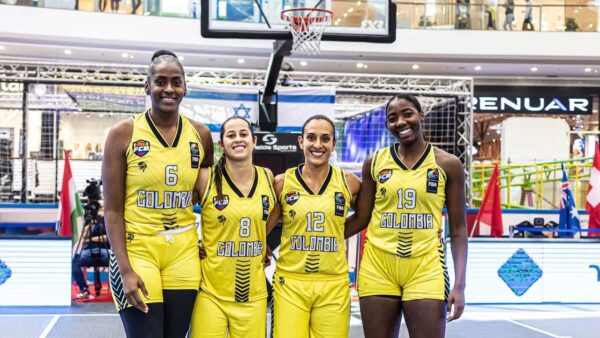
x: 535, y: 329
x: 49, y: 327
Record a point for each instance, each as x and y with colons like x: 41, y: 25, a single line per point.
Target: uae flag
x: 593, y: 198
x: 70, y: 209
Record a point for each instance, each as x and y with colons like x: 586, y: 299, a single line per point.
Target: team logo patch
x: 281, y: 280
x: 265, y: 205
x: 292, y: 197
x: 340, y: 202
x: 142, y: 166
x: 195, y: 155
x: 383, y: 191
x: 384, y: 175
x: 141, y: 147
x: 130, y: 237
x: 221, y: 203
x: 433, y: 177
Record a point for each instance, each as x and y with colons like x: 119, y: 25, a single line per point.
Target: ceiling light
x: 1, y: 47
x: 366, y: 66
x: 477, y: 68
x: 68, y: 51
x: 181, y: 58
x: 240, y: 61
x: 303, y: 63
x: 534, y: 69
x: 415, y: 67
x: 345, y: 15
x: 358, y: 3
x: 124, y: 55
x: 351, y: 9
x: 587, y: 70
x: 131, y: 56
x: 359, y: 65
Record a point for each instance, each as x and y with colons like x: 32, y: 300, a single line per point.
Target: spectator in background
x: 94, y: 253
x: 114, y: 5
x: 527, y: 21
x: 491, y: 17
x: 135, y: 4
x: 509, y: 11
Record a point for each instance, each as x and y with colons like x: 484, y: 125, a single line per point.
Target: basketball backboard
x: 352, y: 20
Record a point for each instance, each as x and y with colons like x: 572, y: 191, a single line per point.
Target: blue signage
x: 520, y: 272
x: 5, y: 272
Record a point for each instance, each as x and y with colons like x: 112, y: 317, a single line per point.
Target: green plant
x: 571, y: 25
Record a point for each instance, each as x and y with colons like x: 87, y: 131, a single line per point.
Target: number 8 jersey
x: 312, y: 240
x: 160, y: 177
x: 234, y: 235
x: 407, y: 213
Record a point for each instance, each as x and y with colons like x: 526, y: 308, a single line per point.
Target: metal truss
x: 363, y: 86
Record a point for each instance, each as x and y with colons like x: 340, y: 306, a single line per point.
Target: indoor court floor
x: 99, y: 320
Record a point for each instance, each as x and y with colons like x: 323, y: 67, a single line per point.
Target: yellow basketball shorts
x: 384, y: 274
x: 163, y: 262
x: 312, y: 308
x: 214, y: 318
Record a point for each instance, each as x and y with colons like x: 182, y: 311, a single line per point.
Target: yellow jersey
x: 312, y: 239
x: 234, y: 235
x: 161, y: 177
x: 407, y: 213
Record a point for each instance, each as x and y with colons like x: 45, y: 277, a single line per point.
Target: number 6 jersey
x: 234, y: 235
x: 160, y: 177
x: 312, y: 240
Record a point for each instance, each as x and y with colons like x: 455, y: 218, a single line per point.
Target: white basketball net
x: 307, y: 26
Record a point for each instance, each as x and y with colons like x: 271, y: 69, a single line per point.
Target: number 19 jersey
x: 407, y: 212
x: 312, y: 240
x: 160, y: 177
x: 234, y: 235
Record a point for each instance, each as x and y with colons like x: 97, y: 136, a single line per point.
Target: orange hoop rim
x: 324, y: 14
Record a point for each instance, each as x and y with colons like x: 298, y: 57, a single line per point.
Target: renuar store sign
x: 533, y: 100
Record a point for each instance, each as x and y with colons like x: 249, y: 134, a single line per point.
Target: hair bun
x: 162, y: 52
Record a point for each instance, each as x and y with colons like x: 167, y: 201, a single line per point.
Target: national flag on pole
x: 593, y: 197
x: 569, y: 218
x: 70, y: 209
x: 490, y: 212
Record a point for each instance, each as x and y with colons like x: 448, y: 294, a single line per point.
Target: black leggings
x: 170, y: 319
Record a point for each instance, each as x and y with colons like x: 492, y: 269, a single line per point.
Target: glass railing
x: 545, y: 18
x: 413, y: 15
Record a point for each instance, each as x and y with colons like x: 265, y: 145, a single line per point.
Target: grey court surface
x: 99, y: 320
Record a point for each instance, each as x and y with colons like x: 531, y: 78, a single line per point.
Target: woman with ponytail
x: 403, y: 269
x: 236, y: 200
x: 150, y: 168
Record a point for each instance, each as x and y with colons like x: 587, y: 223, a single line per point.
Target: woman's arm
x: 363, y: 204
x: 275, y: 215
x: 456, y: 206
x: 207, y: 144
x: 114, y: 168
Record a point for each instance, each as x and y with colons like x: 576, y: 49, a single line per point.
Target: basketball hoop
x: 307, y: 26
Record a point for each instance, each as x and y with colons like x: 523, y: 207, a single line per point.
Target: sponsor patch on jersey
x: 292, y: 197
x: 292, y: 214
x: 222, y: 219
x: 265, y: 205
x: 221, y: 203
x: 384, y: 175
x: 433, y: 177
x: 142, y: 166
x: 195, y: 154
x: 141, y: 147
x: 340, y: 202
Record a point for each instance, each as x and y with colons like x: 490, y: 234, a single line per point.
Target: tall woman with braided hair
x: 236, y: 199
x: 150, y: 169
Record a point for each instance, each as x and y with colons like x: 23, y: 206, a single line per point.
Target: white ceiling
x: 492, y: 71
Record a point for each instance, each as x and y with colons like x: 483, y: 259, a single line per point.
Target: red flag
x: 70, y: 205
x: 490, y: 212
x: 592, y: 204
